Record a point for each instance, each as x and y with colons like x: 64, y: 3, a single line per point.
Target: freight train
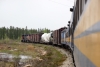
x: 47, y: 38
x: 82, y: 34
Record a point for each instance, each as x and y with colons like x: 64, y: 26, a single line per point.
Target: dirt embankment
x: 69, y: 61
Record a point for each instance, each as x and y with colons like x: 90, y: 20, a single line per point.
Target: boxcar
x: 38, y: 37
x: 57, y: 36
x: 23, y: 38
x: 30, y: 38
x: 63, y: 36
x: 33, y: 38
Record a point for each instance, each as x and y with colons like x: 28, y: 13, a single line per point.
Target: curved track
x: 69, y: 60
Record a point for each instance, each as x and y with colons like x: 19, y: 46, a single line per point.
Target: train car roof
x: 65, y: 30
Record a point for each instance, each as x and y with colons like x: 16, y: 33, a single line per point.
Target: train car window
x: 75, y: 17
x: 85, y: 1
x: 76, y: 14
x: 80, y: 7
x: 62, y: 35
x: 67, y: 34
x: 73, y: 23
x: 83, y: 4
x: 72, y: 29
x: 77, y: 10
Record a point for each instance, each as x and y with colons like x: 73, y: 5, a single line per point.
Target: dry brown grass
x: 46, y: 55
x: 30, y: 47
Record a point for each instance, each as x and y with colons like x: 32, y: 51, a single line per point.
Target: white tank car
x: 46, y: 37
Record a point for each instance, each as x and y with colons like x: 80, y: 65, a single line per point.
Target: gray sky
x: 51, y: 14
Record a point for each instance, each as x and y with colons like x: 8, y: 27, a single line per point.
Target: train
x: 82, y: 34
x: 46, y: 38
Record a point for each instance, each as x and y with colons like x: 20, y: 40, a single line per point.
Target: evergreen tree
x: 16, y: 33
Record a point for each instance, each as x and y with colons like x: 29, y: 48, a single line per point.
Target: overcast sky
x: 51, y: 14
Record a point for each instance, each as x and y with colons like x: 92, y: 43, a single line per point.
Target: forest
x: 16, y: 33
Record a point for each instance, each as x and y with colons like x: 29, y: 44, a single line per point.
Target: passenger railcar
x: 86, y: 33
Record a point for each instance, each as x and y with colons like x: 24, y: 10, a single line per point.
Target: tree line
x: 16, y: 33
